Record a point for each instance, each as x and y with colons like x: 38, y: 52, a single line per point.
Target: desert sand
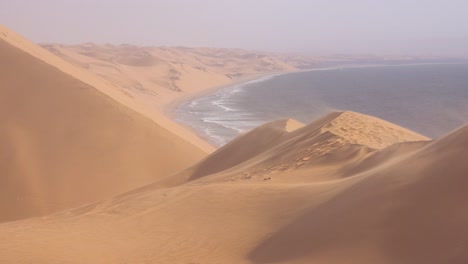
x: 65, y: 142
x: 92, y: 175
x: 301, y: 194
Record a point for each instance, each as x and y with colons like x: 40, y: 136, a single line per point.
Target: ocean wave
x: 239, y: 125
x: 214, y: 137
x: 236, y: 90
x: 217, y: 116
x: 221, y: 104
x: 262, y: 79
x: 223, y: 123
x: 194, y: 103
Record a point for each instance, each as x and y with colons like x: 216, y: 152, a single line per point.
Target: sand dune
x: 381, y: 194
x: 158, y: 75
x: 110, y: 89
x: 410, y: 211
x: 158, y: 78
x: 64, y: 142
x: 338, y: 139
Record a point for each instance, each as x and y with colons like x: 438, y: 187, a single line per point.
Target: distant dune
x: 65, y: 142
x: 347, y: 188
x: 157, y: 75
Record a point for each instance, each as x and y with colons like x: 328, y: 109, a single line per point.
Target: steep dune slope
x: 407, y: 208
x: 65, y: 143
x: 245, y: 147
x: 109, y: 88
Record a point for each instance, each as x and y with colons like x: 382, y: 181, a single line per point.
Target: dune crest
x: 292, y: 125
x: 370, y: 131
x: 275, y: 149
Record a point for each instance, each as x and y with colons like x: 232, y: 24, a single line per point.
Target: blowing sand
x: 347, y: 188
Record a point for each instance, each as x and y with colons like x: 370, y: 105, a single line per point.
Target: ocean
x: 431, y: 99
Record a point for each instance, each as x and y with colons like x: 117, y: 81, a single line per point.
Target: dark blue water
x: 431, y: 99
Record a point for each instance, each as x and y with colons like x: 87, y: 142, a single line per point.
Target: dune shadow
x: 412, y: 212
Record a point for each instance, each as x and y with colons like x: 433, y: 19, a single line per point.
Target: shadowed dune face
x: 64, y: 143
x: 412, y: 211
x: 245, y: 147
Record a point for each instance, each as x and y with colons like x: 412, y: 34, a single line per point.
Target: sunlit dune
x: 66, y: 143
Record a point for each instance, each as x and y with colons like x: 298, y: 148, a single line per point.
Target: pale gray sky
x: 437, y: 27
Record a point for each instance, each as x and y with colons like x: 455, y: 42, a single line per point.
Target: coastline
x: 168, y: 109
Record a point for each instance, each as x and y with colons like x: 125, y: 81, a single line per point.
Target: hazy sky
x: 437, y: 27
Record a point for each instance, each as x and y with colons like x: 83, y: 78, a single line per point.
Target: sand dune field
x: 90, y: 172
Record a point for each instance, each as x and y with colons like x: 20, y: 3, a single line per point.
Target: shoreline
x: 168, y: 109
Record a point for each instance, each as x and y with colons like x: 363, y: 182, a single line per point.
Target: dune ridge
x: 334, y: 200
x: 337, y: 138
x: 67, y: 142
x: 108, y: 88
